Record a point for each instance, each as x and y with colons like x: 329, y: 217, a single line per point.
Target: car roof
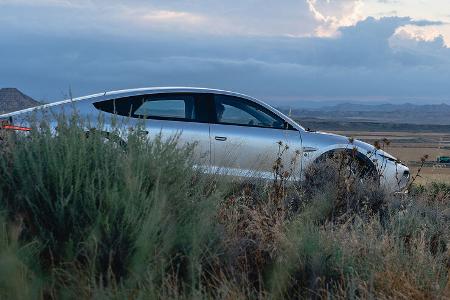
x: 154, y: 90
x: 134, y: 92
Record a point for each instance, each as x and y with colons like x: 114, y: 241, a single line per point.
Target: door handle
x: 221, y: 138
x: 309, y: 149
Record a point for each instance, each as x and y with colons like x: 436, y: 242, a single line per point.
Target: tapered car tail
x: 8, y: 125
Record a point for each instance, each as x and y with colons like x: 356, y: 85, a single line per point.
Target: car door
x: 247, y: 139
x: 167, y: 115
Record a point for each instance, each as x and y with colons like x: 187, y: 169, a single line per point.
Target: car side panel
x: 186, y: 134
x: 252, y: 151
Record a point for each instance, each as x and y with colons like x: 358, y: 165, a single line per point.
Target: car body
x: 234, y: 134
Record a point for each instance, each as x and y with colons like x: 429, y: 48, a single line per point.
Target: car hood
x: 336, y: 139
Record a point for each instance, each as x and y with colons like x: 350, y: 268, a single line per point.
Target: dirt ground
x: 410, y: 147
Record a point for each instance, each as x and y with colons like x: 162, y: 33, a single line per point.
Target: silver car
x: 234, y: 134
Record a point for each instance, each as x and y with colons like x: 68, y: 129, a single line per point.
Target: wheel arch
x: 355, y: 151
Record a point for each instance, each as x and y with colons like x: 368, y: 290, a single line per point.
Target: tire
x: 327, y: 168
x: 358, y: 164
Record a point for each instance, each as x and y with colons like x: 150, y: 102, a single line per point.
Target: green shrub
x: 114, y: 215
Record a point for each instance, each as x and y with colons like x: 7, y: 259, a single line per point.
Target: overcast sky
x: 280, y: 51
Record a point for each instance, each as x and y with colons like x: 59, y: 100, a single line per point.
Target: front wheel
x: 350, y: 167
x: 344, y: 185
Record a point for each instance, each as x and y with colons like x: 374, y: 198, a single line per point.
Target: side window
x: 158, y: 106
x: 238, y: 111
x: 166, y: 108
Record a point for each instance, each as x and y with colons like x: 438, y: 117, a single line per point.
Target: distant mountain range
x: 433, y: 114
x: 387, y: 107
x: 11, y: 99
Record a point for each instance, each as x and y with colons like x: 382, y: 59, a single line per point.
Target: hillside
x: 11, y: 99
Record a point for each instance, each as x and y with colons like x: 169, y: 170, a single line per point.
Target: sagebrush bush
x: 107, y: 212
x: 86, y: 216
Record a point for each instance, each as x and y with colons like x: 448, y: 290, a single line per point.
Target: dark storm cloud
x: 360, y: 62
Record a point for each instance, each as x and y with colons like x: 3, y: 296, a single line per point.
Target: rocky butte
x: 11, y: 99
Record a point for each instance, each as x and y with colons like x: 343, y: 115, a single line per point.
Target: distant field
x: 370, y: 126
x: 410, y: 147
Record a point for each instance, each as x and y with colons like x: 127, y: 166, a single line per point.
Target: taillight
x: 18, y: 128
x: 6, y: 124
